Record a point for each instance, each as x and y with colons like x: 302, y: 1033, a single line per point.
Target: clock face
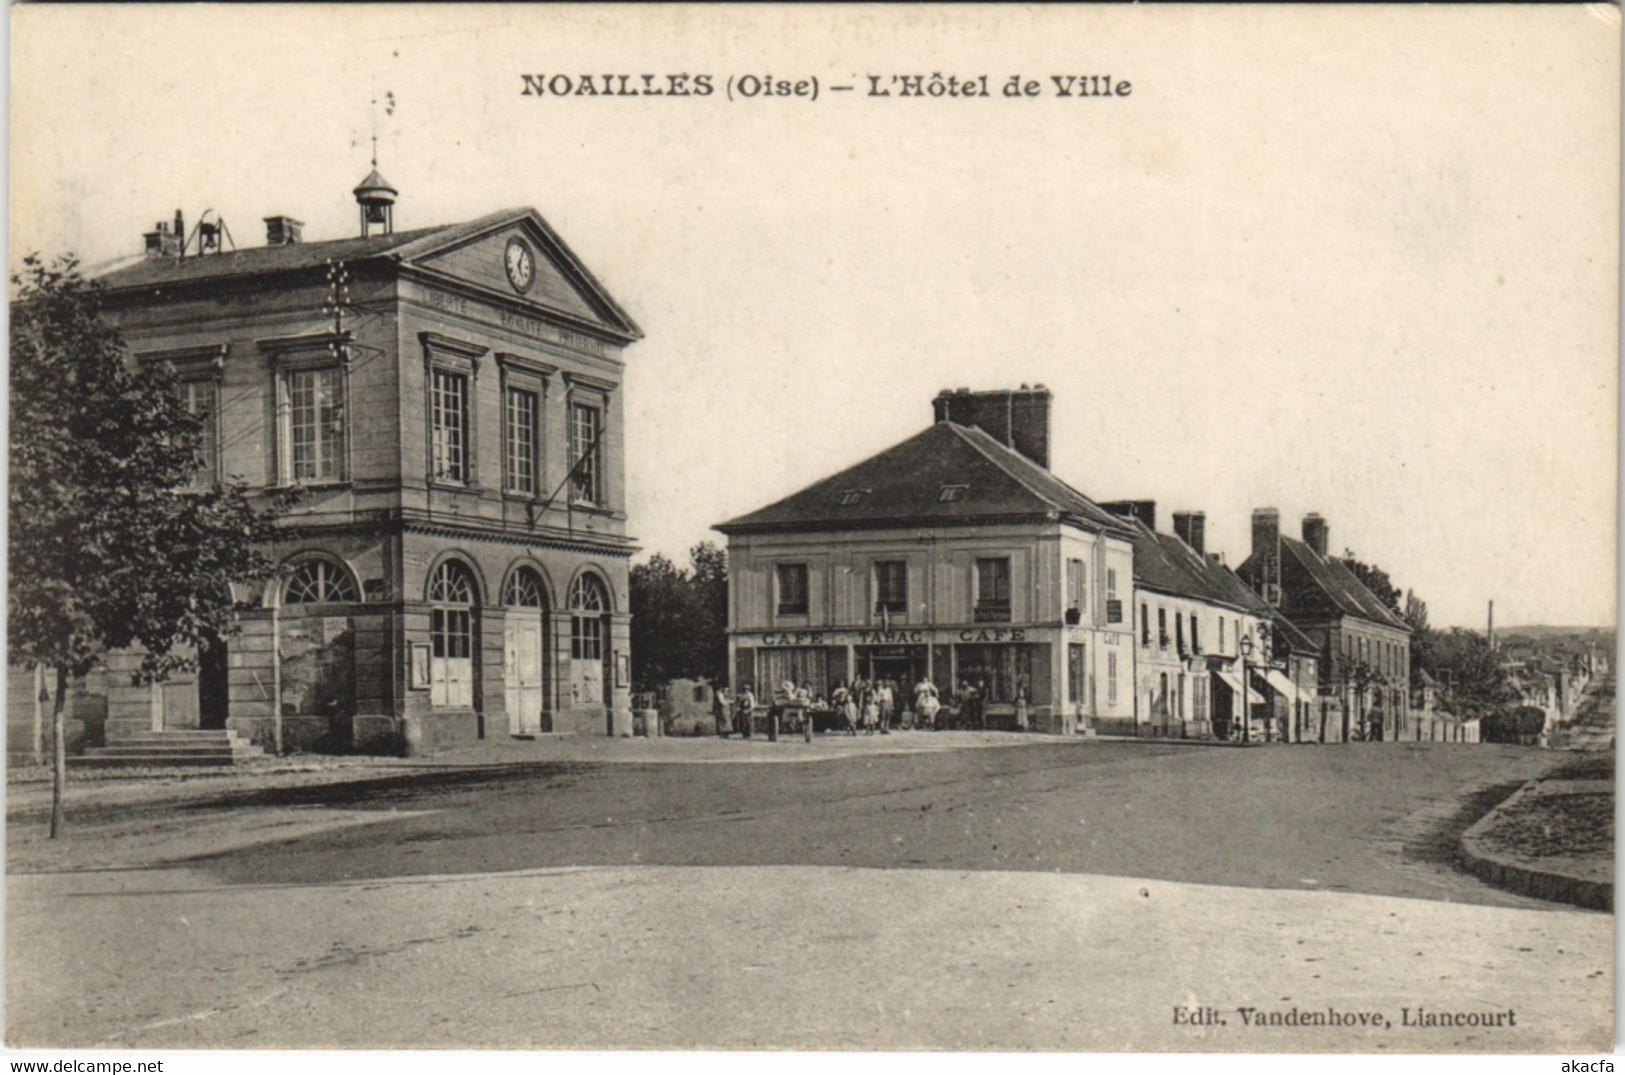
x: 521, y: 265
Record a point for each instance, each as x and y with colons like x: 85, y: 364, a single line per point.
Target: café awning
x: 1282, y: 685
x: 1233, y: 681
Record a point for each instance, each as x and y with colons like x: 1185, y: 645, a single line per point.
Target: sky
x: 1360, y: 261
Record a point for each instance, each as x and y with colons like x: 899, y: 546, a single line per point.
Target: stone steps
x: 179, y: 747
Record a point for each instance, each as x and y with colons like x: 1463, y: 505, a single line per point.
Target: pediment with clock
x: 516, y: 257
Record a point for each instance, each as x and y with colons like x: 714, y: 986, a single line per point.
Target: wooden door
x: 522, y: 672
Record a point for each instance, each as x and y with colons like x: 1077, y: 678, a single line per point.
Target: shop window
x: 1075, y: 677
x: 316, y: 582
x: 993, y: 589
x: 998, y: 673
x: 891, y: 586
x: 801, y: 665
x: 792, y: 589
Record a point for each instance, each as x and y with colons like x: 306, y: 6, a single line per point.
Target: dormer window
x: 853, y: 496
x: 951, y: 492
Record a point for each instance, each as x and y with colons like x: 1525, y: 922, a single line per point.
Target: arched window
x: 452, y: 584
x: 525, y: 590
x: 317, y: 581
x: 451, y: 636
x: 588, y: 603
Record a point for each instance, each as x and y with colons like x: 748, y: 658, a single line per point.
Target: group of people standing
x: 870, y: 705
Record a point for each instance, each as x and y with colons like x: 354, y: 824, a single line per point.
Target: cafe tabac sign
x: 918, y: 636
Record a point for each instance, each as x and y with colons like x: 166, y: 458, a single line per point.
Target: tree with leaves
x: 1471, y: 671
x: 1423, y: 658
x: 1374, y: 579
x: 680, y: 618
x: 109, y: 547
x: 711, y: 593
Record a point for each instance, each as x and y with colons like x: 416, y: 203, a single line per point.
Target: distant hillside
x: 1544, y: 631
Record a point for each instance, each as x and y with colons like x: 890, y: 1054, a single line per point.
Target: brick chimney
x: 1143, y: 510
x: 1266, y: 560
x: 163, y: 243
x: 282, y: 230
x: 1018, y: 419
x: 1314, y: 532
x: 1191, y: 528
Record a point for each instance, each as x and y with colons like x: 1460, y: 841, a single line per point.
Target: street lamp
x: 1245, y: 645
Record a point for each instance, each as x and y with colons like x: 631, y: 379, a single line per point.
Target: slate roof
x: 1337, y: 589
x: 904, y: 484
x: 1165, y: 563
x: 265, y: 261
x: 291, y: 257
x: 1296, y: 640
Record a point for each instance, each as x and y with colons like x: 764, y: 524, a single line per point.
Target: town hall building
x: 447, y: 405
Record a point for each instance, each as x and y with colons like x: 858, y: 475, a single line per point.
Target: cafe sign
x: 916, y: 636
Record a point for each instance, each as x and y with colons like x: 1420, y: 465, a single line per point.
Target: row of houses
x: 958, y: 557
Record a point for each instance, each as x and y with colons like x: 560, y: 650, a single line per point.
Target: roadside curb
x: 1508, y: 873
x: 1170, y: 741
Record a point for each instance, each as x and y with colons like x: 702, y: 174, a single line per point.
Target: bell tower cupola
x: 377, y: 201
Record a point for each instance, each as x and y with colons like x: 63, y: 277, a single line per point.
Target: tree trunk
x: 59, y: 751
x: 38, y: 746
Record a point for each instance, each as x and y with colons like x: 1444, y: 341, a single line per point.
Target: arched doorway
x: 589, y: 611
x: 453, y: 596
x: 316, y: 653
x: 524, y: 669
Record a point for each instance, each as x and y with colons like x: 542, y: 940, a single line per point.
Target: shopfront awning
x: 1233, y: 681
x: 1283, y: 686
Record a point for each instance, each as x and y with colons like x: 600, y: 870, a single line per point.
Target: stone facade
x: 954, y: 557
x: 456, y: 565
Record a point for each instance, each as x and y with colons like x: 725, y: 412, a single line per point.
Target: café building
x: 954, y: 556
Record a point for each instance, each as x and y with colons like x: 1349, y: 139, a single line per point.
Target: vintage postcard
x: 873, y: 528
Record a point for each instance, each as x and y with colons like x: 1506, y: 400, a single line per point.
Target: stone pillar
x: 618, y: 686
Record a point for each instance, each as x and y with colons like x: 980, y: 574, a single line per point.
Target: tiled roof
x: 291, y: 257
x: 1337, y: 588
x: 905, y: 484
